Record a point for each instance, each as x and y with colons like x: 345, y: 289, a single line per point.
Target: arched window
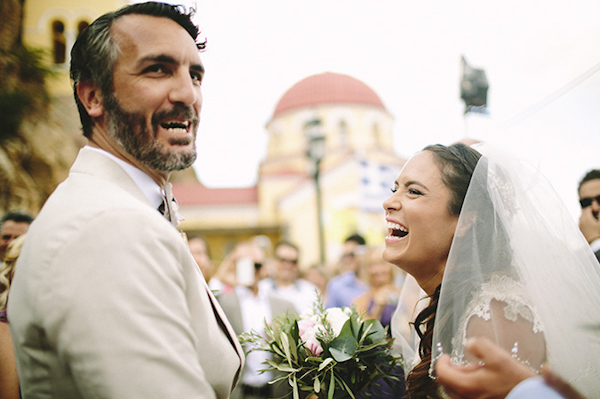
x: 81, y: 26
x: 59, y: 42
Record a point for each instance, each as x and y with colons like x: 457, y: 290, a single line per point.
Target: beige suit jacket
x: 107, y: 301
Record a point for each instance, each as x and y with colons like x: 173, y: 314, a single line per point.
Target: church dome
x: 327, y: 88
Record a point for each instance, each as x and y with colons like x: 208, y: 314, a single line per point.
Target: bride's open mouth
x: 396, y: 230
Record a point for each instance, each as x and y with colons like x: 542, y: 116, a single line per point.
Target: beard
x: 130, y: 131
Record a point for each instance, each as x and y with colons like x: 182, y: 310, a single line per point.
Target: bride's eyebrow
x: 416, y: 182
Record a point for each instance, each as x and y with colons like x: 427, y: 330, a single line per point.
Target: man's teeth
x: 176, y: 127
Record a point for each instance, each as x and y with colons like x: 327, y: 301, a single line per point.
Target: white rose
x: 336, y: 317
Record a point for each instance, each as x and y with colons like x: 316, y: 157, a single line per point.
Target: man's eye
x: 414, y: 191
x: 155, y: 69
x: 394, y: 190
x: 196, y: 77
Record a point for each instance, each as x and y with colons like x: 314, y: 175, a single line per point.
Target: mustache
x: 178, y: 111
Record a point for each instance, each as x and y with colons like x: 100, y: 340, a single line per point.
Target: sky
x: 541, y: 58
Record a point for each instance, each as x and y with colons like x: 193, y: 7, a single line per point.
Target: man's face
x: 591, y: 190
x: 153, y: 111
x: 9, y: 231
x: 287, y: 264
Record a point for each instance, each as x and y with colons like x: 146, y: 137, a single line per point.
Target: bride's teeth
x: 395, y: 226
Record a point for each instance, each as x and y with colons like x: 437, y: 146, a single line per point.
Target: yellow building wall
x: 38, y: 19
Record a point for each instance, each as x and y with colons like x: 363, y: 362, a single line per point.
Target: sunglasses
x: 294, y: 261
x: 585, y: 202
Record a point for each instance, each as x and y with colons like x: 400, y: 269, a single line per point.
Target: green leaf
x: 317, y: 385
x: 375, y: 332
x: 343, y: 347
x: 325, y: 363
x: 331, y: 386
x: 286, y: 347
x: 294, y: 385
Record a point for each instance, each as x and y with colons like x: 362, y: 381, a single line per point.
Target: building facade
x: 356, y: 172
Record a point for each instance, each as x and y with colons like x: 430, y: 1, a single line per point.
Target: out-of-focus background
x: 382, y: 79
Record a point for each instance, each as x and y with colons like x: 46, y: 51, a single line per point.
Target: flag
x: 376, y: 182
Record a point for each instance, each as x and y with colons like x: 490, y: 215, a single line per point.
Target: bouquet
x: 332, y: 353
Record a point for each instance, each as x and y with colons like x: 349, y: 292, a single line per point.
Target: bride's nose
x: 392, y: 203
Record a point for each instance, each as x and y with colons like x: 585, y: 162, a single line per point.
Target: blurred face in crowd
x: 200, y: 253
x: 380, y: 274
x: 287, y: 264
x: 8, y: 232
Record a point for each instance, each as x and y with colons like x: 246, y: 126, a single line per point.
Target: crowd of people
x: 105, y: 298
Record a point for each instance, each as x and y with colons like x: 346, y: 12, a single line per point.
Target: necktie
x: 169, y: 207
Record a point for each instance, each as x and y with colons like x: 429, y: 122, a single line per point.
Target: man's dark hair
x: 591, y: 175
x: 94, y: 54
x: 17, y: 217
x: 357, y: 238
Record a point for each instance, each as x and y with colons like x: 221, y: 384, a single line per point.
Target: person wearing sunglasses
x: 286, y: 282
x: 589, y: 199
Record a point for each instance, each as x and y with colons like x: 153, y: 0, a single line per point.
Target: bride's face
x: 420, y: 228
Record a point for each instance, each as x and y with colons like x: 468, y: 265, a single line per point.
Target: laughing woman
x: 491, y: 245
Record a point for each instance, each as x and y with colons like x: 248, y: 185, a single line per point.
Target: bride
x: 497, y: 255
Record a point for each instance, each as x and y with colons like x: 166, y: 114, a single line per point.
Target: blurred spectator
x: 12, y: 225
x: 226, y: 276
x: 9, y: 383
x: 287, y: 282
x: 201, y: 254
x: 589, y: 198
x: 380, y: 300
x: 342, y: 290
x: 318, y: 275
x: 248, y: 308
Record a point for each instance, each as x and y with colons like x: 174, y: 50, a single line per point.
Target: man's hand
x: 589, y: 224
x: 494, y: 379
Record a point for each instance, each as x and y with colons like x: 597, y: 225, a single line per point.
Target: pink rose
x: 309, y: 337
x: 304, y: 325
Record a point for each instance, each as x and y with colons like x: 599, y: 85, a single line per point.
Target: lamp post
x: 315, y: 151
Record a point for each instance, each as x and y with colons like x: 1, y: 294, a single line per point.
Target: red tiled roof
x: 327, y: 88
x: 196, y: 194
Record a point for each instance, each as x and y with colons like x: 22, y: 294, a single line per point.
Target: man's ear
x: 91, y: 98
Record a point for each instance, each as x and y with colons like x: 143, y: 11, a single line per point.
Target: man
x: 248, y: 308
x: 107, y: 301
x: 287, y: 283
x: 345, y: 288
x: 498, y: 376
x: 12, y: 225
x: 589, y: 198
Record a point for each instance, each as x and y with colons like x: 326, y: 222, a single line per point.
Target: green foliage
x: 22, y: 88
x: 357, y: 357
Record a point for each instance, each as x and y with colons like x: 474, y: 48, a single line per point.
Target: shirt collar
x: 151, y: 190
x: 595, y: 245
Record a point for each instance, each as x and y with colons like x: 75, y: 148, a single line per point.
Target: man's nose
x: 184, y: 90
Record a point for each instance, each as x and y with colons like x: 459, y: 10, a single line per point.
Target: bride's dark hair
x: 457, y: 163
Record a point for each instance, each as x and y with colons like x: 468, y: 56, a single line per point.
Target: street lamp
x: 315, y: 151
